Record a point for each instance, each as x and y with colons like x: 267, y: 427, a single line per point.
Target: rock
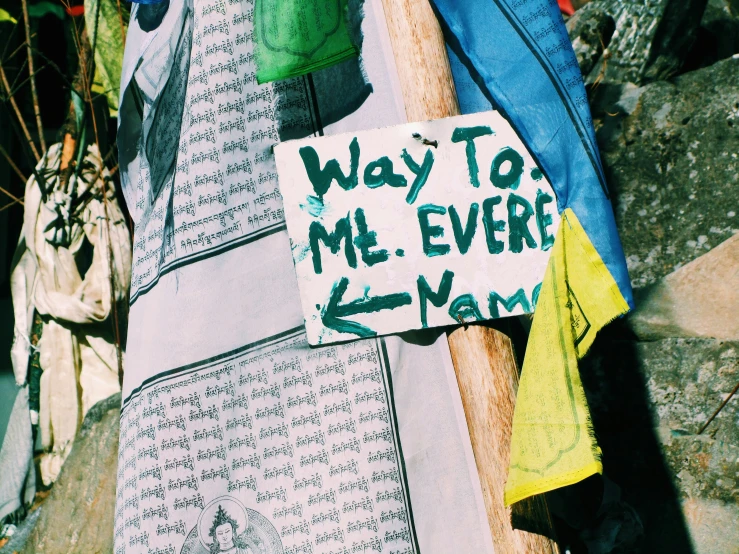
x: 671, y: 155
x: 718, y: 35
x: 688, y: 380
x: 78, y: 515
x: 721, y: 22
x: 19, y: 538
x: 648, y: 401
x: 590, y: 32
x: 698, y: 300
x: 670, y: 151
x: 651, y: 40
x: 712, y: 525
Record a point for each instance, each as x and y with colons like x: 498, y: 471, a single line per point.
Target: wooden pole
x: 483, y: 357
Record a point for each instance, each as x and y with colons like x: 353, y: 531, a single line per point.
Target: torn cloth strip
x: 517, y: 55
x: 18, y: 483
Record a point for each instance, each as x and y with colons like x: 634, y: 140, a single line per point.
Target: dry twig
x: 123, y: 27
x: 12, y: 165
x: 32, y: 77
x: 10, y: 205
x: 13, y: 196
x: 718, y: 411
x: 17, y: 111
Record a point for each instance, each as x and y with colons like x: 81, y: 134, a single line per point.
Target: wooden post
x: 483, y: 357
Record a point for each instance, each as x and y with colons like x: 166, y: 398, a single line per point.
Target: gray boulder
x: 648, y: 401
x: 651, y: 41
x: 590, y: 32
x: 671, y: 154
x: 78, y: 515
x: 718, y: 35
x: 698, y: 300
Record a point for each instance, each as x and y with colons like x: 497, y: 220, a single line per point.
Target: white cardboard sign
x: 417, y: 225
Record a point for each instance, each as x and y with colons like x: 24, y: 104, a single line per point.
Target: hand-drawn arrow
x: 333, y: 311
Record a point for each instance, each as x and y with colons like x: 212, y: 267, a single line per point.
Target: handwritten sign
x: 414, y: 226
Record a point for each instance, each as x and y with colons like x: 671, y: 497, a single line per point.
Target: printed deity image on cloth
x: 226, y: 526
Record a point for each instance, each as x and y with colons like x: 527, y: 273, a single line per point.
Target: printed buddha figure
x: 225, y: 537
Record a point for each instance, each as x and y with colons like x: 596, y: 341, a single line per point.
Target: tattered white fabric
x: 18, y: 483
x: 67, y: 231
x: 21, y: 285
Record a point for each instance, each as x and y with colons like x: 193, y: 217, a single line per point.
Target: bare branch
x: 80, y: 86
x: 60, y: 73
x: 13, y: 196
x: 89, y: 73
x: 17, y: 111
x: 34, y: 94
x: 21, y: 47
x: 17, y: 86
x: 123, y: 28
x: 12, y: 165
x: 14, y: 85
x: 10, y: 204
x: 9, y: 41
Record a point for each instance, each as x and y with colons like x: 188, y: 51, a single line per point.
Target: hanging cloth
x: 72, y: 293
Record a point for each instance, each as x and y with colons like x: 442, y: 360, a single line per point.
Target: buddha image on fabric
x: 224, y: 533
x: 226, y: 526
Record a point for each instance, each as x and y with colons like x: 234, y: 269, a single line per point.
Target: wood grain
x: 483, y: 357
x: 487, y: 375
x: 421, y: 60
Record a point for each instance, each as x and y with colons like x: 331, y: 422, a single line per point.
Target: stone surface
x: 701, y: 299
x: 590, y: 32
x: 671, y: 153
x: 651, y: 41
x: 718, y: 35
x: 648, y: 401
x: 20, y: 537
x: 670, y: 150
x: 713, y: 525
x: 78, y: 515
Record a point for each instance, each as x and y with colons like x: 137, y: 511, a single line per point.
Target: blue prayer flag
x: 518, y: 54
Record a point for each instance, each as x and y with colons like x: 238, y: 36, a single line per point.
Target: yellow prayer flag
x: 552, y: 443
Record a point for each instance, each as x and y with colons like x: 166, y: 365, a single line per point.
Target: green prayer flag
x: 295, y: 37
x: 106, y: 29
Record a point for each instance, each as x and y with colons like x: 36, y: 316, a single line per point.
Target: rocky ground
x: 78, y: 515
x: 670, y: 145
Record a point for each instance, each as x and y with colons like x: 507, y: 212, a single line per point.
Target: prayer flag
x: 519, y: 56
x: 300, y: 36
